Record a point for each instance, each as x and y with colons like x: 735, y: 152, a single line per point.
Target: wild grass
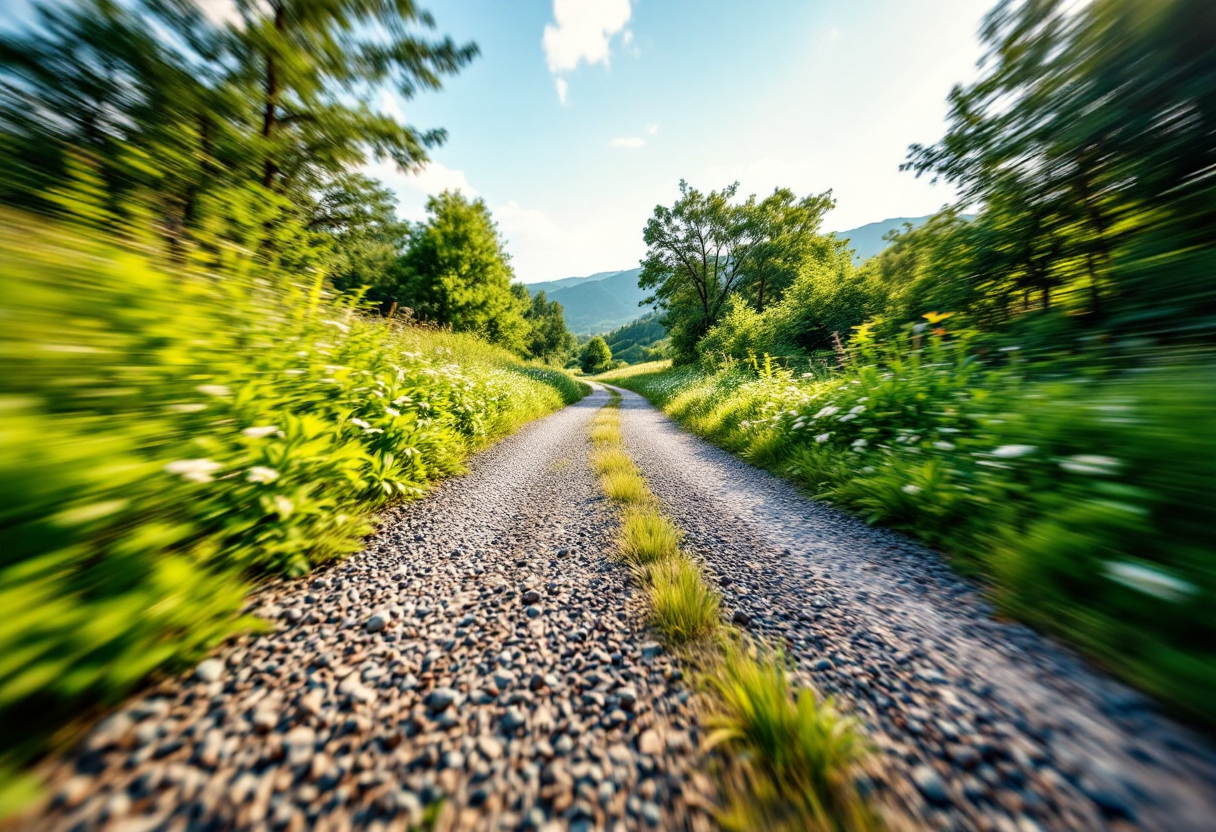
x: 788, y: 758
x: 626, y: 487
x: 1083, y: 498
x: 791, y: 756
x: 166, y: 440
x: 685, y: 609
x: 647, y: 537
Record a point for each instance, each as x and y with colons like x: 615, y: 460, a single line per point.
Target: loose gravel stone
x: 901, y: 641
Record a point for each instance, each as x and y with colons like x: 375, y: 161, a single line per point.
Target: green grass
x: 788, y: 759
x: 625, y: 487
x: 791, y: 755
x: 1082, y: 498
x: 168, y: 439
x: 647, y: 537
x: 685, y: 609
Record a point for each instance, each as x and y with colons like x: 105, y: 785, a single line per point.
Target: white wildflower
x: 1090, y: 464
x: 910, y: 489
x: 1150, y: 581
x: 858, y: 444
x: 194, y: 470
x: 283, y: 505
x: 859, y: 409
x: 823, y: 437
x: 848, y: 417
x: 357, y: 422
x: 827, y: 411
x: 262, y: 474
x: 1013, y: 451
x: 798, y: 425
x: 869, y: 469
x: 944, y: 446
x: 391, y: 412
x: 188, y: 407
x: 260, y: 431
x: 213, y: 390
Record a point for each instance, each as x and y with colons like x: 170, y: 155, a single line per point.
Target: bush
x: 165, y: 439
x: 1084, y: 497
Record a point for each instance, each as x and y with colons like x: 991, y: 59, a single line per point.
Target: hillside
x: 867, y: 240
x: 598, y: 303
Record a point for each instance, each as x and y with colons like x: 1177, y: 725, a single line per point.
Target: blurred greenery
x: 1083, y: 500
x: 167, y: 438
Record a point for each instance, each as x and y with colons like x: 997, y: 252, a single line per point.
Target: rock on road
x: 484, y: 660
x: 981, y: 724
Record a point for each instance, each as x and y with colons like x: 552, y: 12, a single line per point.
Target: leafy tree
x: 705, y: 248
x: 595, y: 356
x: 1089, y: 141
x: 456, y: 272
x: 548, y: 339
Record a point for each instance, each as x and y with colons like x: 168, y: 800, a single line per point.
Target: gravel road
x: 483, y: 659
x: 981, y: 724
x: 482, y: 649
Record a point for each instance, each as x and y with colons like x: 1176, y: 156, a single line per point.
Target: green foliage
x: 684, y: 607
x: 457, y: 273
x: 168, y: 437
x: 229, y: 146
x: 595, y: 356
x: 791, y: 756
x: 1083, y: 496
x: 639, y: 341
x: 549, y: 339
x: 705, y: 249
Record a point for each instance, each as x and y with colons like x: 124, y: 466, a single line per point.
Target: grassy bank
x: 787, y: 758
x: 1084, y: 500
x: 166, y: 439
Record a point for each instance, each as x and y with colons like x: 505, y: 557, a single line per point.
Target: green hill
x: 641, y: 340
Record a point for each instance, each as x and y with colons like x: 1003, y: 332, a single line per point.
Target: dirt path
x: 981, y: 724
x: 482, y: 649
x: 483, y: 659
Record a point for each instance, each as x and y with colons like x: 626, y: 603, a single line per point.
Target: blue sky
x: 806, y: 94
x: 809, y: 94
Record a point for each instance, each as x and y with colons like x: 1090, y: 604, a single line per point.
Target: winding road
x: 483, y: 662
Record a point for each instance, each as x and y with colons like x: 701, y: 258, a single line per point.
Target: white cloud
x: 627, y: 37
x: 835, y: 33
x: 562, y: 89
x: 652, y: 128
x: 390, y: 105
x: 628, y: 141
x: 583, y: 32
x: 413, y: 188
x: 526, y: 225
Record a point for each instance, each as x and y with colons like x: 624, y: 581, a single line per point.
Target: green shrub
x: 165, y: 439
x: 1085, y: 496
x: 647, y: 537
x: 790, y: 757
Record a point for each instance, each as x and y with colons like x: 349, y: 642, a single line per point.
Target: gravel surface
x: 481, y: 658
x: 980, y: 724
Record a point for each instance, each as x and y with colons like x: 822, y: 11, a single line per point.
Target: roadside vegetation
x: 184, y: 437
x: 1026, y: 380
x: 224, y: 351
x: 787, y: 759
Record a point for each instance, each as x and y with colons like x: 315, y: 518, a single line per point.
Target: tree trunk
x: 270, y: 111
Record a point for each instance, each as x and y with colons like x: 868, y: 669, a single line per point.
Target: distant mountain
x: 867, y: 240
x: 597, y: 303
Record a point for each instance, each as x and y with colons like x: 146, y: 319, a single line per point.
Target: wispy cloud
x: 562, y: 89
x: 583, y: 31
x: 628, y: 141
x: 652, y: 128
x: 431, y: 179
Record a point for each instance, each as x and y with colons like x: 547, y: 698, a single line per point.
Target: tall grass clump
x: 647, y: 537
x: 685, y: 609
x: 167, y: 439
x: 1081, y: 493
x: 790, y: 758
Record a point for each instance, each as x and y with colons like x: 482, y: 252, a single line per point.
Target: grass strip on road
x: 787, y: 758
